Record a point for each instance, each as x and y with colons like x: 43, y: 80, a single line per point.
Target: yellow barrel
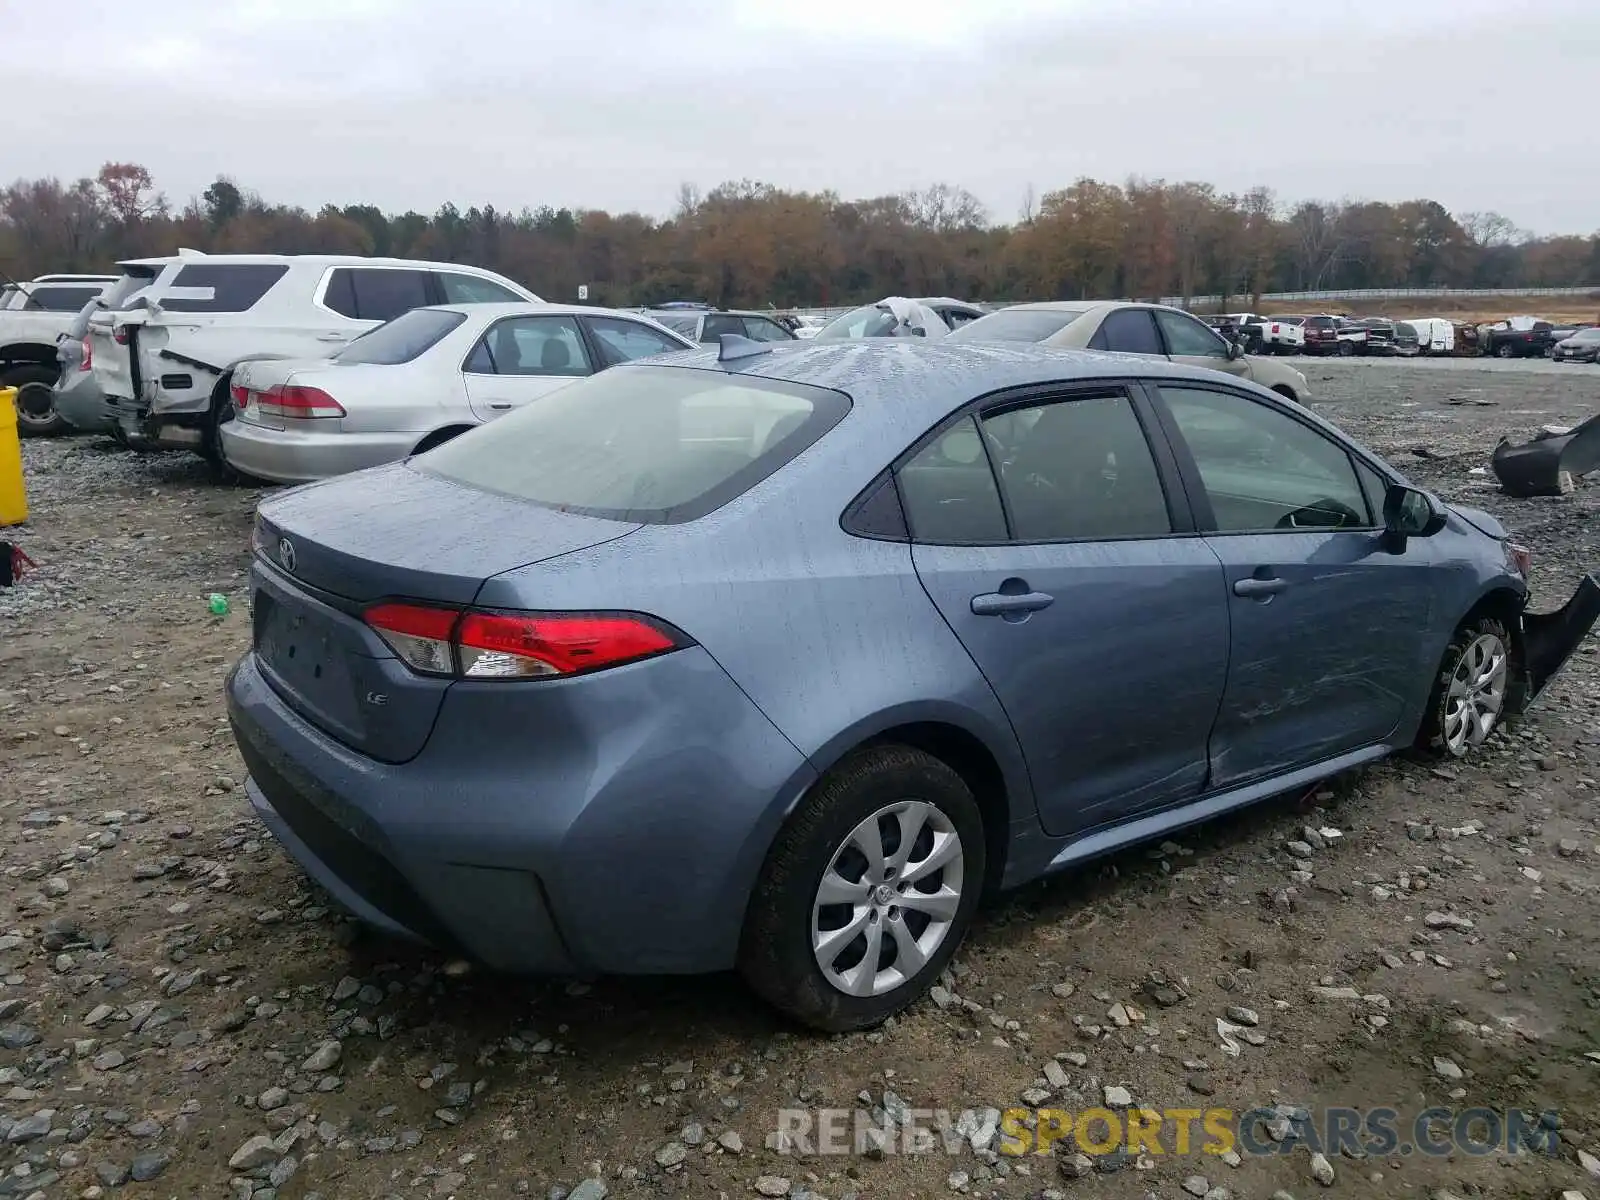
x: 13, y: 497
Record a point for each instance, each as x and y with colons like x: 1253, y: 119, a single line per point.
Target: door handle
x: 1259, y: 588
x: 998, y: 604
x: 499, y: 405
x: 332, y: 337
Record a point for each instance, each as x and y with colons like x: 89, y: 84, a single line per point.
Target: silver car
x: 418, y: 381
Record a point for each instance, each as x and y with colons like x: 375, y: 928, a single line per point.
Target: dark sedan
x: 1582, y: 346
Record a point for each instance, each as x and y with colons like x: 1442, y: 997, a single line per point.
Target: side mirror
x: 1235, y: 351
x: 1409, y: 512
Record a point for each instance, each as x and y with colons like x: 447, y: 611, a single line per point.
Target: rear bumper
x: 82, y: 405
x: 296, y: 456
x: 623, y: 837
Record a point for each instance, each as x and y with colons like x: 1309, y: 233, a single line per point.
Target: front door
x: 1196, y: 344
x: 520, y: 359
x: 1101, y: 627
x: 1325, y: 653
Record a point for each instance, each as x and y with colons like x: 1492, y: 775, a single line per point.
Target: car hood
x: 1481, y: 521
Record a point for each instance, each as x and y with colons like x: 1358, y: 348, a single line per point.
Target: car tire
x: 1470, y: 693
x: 35, y: 403
x: 888, y: 789
x: 1347, y: 349
x: 1505, y: 350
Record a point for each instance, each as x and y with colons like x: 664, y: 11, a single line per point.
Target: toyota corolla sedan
x: 779, y: 658
x: 417, y: 381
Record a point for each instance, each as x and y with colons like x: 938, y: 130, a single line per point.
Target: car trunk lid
x: 328, y: 551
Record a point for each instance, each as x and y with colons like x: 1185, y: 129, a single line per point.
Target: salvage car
x: 418, y: 381
x: 709, y: 325
x: 1152, y: 330
x: 34, y: 317
x: 1030, y: 607
x: 1515, y: 337
x: 897, y: 316
x: 164, y: 358
x: 1582, y: 346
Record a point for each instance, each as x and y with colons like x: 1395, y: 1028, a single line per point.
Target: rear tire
x: 437, y: 438
x: 36, y: 405
x: 1347, y: 349
x: 887, y: 794
x: 1469, y: 696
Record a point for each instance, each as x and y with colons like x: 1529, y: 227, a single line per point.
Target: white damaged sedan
x: 417, y: 381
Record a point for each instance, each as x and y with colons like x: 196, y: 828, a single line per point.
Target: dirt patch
x: 170, y: 979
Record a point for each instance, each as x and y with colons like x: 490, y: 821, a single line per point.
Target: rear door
x: 1325, y: 654
x: 1061, y: 553
x: 1197, y: 345
x: 111, y: 329
x: 519, y: 359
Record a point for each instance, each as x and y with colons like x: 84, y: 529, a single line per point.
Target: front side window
x: 642, y: 443
x: 403, y: 339
x: 623, y: 341
x: 236, y: 286
x: 1262, y: 469
x: 531, y: 346
x: 1128, y: 331
x: 1077, y: 470
x: 473, y: 289
x: 1188, y: 337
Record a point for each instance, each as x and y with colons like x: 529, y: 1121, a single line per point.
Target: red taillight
x: 1520, y: 557
x: 297, y: 403
x: 119, y: 335
x: 241, y: 396
x: 86, y: 363
x: 420, y: 636
x: 487, y: 645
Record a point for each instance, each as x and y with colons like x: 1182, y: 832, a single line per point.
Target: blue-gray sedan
x: 780, y: 657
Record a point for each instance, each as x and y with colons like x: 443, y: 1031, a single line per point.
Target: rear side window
x: 948, y: 491
x: 716, y: 326
x: 376, y: 293
x: 1128, y: 331
x: 1017, y: 325
x: 57, y: 297
x: 659, y: 445
x: 403, y: 339
x: 237, y: 286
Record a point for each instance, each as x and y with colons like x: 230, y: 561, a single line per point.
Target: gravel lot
x: 178, y: 1003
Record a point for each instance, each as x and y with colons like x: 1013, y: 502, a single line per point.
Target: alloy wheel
x: 1476, y: 694
x: 888, y: 898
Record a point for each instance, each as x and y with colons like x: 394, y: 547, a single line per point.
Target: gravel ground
x: 178, y: 1006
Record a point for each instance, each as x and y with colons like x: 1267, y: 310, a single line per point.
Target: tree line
x: 751, y: 244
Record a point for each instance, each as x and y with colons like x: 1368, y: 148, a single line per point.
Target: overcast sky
x: 614, y: 103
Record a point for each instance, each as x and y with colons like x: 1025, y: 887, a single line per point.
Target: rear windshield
x: 1018, y: 325
x: 867, y: 321
x: 237, y: 286
x: 402, y: 339
x: 642, y: 443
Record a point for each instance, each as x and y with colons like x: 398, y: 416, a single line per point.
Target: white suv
x: 172, y: 329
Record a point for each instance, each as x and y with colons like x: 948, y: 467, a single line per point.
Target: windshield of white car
x: 1018, y: 325
x: 401, y: 340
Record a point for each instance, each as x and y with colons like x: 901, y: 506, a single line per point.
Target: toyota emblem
x: 286, y: 553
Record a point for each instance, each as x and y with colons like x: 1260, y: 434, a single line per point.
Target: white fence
x: 1345, y: 294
